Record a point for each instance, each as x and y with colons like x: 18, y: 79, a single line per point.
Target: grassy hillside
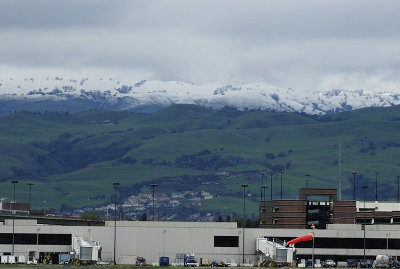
x: 73, y: 158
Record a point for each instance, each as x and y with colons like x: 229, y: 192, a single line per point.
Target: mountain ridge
x: 148, y: 96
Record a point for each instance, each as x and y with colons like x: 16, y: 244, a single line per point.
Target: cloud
x: 298, y: 44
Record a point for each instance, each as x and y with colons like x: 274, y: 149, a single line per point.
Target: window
x: 275, y: 221
x: 31, y: 239
x: 226, y: 241
x: 276, y: 209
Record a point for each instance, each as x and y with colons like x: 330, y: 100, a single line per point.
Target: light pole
x: 364, y: 187
x: 153, y: 187
x: 354, y: 184
x: 264, y: 187
x: 115, y: 184
x: 307, y: 181
x: 376, y: 186
x: 281, y: 182
x: 30, y: 184
x: 262, y: 184
x: 271, y: 186
x: 44, y: 208
x: 244, y: 186
x: 13, y: 213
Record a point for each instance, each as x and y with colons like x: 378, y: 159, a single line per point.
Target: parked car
x: 164, y: 261
x: 218, y: 264
x: 365, y: 263
x: 309, y: 263
x: 330, y: 263
x: 140, y: 261
x: 353, y: 263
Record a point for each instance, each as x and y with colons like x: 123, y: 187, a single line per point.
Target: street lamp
x: 264, y: 187
x: 13, y: 213
x: 153, y: 186
x: 398, y: 188
x: 30, y: 184
x: 44, y: 208
x: 262, y: 184
x: 364, y: 187
x: 376, y: 186
x: 281, y: 182
x: 354, y: 184
x: 307, y: 181
x: 244, y: 186
x: 271, y: 186
x: 115, y: 184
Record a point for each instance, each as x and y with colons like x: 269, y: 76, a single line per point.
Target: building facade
x: 320, y: 207
x: 220, y: 241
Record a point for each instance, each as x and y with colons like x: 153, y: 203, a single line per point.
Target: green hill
x: 73, y: 158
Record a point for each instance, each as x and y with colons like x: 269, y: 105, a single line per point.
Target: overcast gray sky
x: 300, y: 44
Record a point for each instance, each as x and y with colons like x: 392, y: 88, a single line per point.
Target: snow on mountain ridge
x: 126, y: 94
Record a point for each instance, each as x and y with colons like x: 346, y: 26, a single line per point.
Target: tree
x: 121, y: 214
x: 92, y: 215
x: 228, y: 218
x: 220, y: 219
x: 239, y: 221
x: 143, y: 217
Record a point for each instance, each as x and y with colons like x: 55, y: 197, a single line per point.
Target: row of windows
x: 349, y: 243
x: 33, y: 239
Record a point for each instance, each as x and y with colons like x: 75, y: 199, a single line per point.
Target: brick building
x: 321, y: 207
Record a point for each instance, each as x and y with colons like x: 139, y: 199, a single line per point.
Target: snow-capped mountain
x: 147, y: 96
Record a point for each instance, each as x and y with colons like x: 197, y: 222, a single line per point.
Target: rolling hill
x: 187, y: 150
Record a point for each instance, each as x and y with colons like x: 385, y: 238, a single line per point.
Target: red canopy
x: 307, y: 237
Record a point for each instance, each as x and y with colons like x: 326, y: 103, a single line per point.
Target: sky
x: 307, y: 44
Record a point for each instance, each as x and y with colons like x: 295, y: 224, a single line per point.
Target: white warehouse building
x: 220, y: 241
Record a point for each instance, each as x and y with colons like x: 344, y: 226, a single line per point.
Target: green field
x: 73, y: 158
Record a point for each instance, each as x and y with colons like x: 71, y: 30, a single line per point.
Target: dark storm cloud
x: 300, y: 44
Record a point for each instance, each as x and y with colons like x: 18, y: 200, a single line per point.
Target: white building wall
x: 154, y: 239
